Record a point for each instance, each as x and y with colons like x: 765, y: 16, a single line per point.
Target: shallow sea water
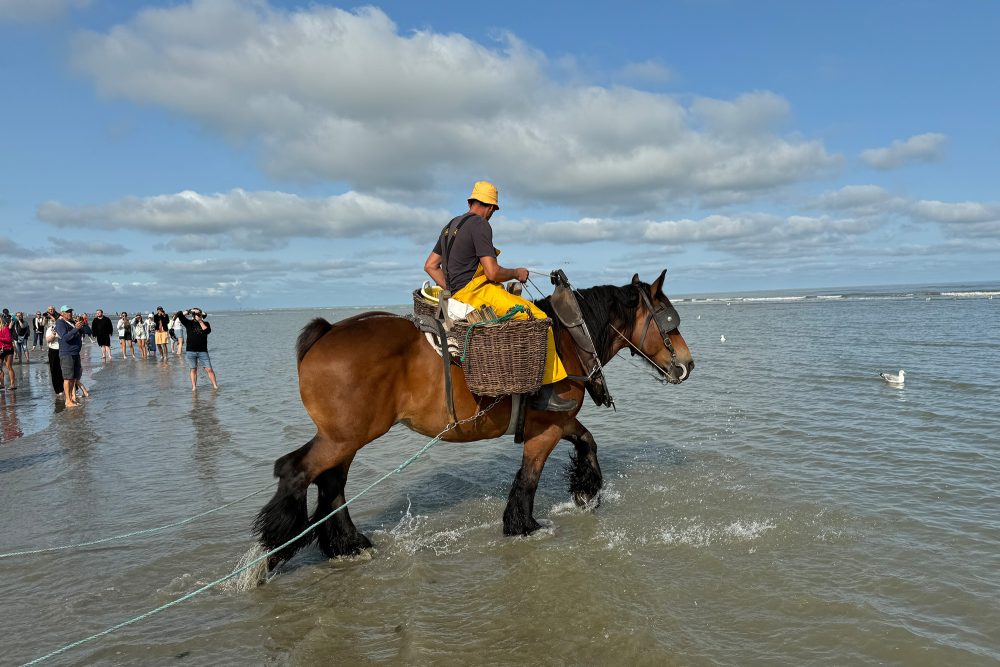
x: 782, y: 507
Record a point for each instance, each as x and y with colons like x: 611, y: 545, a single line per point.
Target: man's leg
x: 211, y: 376
x: 68, y: 390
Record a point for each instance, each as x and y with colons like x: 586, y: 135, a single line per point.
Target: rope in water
x: 144, y: 531
x: 212, y: 584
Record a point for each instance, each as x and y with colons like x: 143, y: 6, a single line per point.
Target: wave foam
x: 970, y: 294
x: 412, y: 533
x: 697, y: 534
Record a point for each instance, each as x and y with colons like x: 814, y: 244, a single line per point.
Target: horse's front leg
x: 518, y: 518
x: 583, y: 472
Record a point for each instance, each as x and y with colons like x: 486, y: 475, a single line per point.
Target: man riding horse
x: 362, y: 375
x: 464, y: 261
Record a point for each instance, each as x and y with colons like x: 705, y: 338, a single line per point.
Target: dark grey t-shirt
x: 474, y: 240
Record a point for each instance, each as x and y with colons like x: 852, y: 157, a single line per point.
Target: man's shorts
x: 71, y: 368
x: 194, y: 357
x: 161, y: 337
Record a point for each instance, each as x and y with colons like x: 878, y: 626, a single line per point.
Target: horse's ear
x: 657, y: 286
x: 635, y: 280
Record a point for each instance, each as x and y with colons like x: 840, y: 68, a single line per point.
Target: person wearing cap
x: 197, y: 345
x: 70, y: 343
x: 464, y: 261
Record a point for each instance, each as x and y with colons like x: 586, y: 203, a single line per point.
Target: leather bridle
x: 666, y: 319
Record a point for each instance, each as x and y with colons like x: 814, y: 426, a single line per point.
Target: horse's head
x: 662, y: 344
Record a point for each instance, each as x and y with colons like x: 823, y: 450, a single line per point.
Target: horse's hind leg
x: 286, y: 515
x: 337, y: 535
x: 518, y: 517
x: 583, y: 472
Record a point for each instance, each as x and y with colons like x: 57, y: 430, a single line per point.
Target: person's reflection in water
x: 77, y: 437
x: 209, y: 435
x: 10, y: 427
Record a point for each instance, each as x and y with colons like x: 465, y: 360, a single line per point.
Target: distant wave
x: 968, y: 294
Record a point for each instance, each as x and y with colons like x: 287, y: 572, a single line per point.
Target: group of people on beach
x: 63, y: 334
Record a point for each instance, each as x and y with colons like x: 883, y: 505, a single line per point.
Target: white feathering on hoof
x: 893, y: 379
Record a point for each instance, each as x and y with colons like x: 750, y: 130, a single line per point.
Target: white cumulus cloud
x: 956, y: 212
x: 919, y: 148
x: 343, y: 96
x: 248, y: 220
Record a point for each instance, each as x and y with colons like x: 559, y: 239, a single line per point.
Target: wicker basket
x: 422, y: 306
x: 504, y: 358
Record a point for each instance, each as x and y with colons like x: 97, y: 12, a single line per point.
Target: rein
x: 658, y: 378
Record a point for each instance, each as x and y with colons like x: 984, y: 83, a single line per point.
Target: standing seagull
x: 893, y: 379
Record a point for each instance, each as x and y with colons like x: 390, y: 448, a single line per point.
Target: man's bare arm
x: 499, y: 274
x: 433, y: 268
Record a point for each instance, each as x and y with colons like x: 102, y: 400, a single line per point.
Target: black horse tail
x: 311, y: 333
x: 286, y: 514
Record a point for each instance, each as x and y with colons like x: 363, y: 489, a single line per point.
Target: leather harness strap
x: 436, y: 327
x: 450, y: 235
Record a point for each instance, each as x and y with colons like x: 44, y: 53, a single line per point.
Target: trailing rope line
x: 144, y: 531
x: 212, y: 584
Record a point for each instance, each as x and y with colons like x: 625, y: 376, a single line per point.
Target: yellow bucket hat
x: 485, y: 192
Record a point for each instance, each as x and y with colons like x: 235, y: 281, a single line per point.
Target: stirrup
x: 548, y: 400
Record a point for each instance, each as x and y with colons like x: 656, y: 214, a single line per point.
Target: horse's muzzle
x: 678, y: 372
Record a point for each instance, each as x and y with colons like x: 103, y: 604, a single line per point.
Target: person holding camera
x: 70, y: 342
x: 197, y: 344
x: 161, y: 337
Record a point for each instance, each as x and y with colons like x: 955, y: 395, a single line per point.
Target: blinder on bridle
x: 666, y: 318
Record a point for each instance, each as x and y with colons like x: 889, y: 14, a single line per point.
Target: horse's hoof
x: 523, y: 530
x: 346, y: 546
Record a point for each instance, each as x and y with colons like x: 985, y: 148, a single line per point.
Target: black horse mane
x: 603, y: 306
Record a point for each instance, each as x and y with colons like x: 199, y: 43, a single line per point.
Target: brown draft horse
x: 360, y: 376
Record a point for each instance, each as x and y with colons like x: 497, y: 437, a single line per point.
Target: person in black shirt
x: 464, y: 260
x: 162, y: 322
x: 197, y: 345
x: 103, y: 328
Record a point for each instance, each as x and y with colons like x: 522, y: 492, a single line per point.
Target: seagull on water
x: 722, y: 339
x: 892, y: 378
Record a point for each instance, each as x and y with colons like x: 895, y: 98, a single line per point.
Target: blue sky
x: 277, y: 154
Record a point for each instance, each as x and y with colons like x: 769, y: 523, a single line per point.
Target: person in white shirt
x: 52, y: 340
x: 177, y: 327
